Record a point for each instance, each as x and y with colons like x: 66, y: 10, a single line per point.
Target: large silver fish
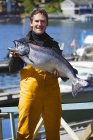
x: 48, y: 59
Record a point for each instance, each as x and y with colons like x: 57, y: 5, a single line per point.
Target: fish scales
x: 48, y: 59
x: 50, y: 55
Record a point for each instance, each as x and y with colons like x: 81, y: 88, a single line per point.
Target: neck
x: 38, y: 36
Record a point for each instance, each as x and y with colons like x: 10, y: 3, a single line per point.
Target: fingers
x: 13, y: 54
x: 55, y: 72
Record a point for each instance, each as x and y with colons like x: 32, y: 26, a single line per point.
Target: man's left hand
x: 55, y: 72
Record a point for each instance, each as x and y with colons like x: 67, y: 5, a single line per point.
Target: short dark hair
x: 38, y: 10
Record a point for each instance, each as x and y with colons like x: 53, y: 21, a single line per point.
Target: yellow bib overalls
x: 39, y: 95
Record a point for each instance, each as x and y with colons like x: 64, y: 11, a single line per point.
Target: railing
x: 10, y: 112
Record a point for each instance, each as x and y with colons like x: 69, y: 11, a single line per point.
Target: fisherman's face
x: 39, y: 23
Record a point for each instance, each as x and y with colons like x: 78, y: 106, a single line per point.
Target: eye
x: 36, y: 20
x: 22, y: 47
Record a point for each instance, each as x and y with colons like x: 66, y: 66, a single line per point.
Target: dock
x: 9, y: 96
x: 4, y: 66
x: 73, y: 131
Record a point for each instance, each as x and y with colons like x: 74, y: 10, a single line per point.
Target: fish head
x: 22, y: 48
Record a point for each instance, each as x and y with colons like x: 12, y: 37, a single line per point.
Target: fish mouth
x: 13, y: 50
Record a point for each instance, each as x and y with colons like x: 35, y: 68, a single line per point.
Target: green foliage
x: 28, y: 6
x: 52, y: 6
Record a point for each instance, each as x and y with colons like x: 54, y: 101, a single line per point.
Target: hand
x: 13, y: 54
x: 55, y: 72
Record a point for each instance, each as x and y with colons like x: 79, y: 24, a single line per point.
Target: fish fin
x: 75, y: 89
x: 64, y: 79
x: 75, y: 71
x: 78, y: 85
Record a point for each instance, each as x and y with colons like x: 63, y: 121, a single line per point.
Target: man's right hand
x: 13, y: 54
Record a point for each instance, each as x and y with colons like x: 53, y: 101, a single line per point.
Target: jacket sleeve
x: 15, y: 64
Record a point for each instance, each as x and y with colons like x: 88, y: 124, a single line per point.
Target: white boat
x: 85, y: 52
x: 85, y: 71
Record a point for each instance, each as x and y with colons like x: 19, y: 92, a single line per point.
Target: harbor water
x: 62, y: 31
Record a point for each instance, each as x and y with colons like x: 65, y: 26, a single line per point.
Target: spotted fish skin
x: 48, y: 59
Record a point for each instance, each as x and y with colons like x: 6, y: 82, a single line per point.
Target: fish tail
x: 78, y: 85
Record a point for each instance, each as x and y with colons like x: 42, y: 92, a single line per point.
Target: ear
x: 31, y: 25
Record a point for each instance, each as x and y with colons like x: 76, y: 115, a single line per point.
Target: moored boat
x: 85, y: 71
x: 4, y: 66
x: 85, y: 52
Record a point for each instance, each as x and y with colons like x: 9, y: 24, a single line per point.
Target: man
x: 39, y: 90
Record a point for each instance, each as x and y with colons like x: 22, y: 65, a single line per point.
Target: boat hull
x: 83, y: 96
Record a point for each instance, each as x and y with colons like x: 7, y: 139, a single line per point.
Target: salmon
x: 48, y: 59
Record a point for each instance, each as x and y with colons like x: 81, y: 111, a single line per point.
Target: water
x: 67, y: 31
x: 61, y: 31
x: 8, y: 33
x: 7, y: 128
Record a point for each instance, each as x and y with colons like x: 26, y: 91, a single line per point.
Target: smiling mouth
x: 40, y: 28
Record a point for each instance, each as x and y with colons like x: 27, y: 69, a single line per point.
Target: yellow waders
x: 39, y: 94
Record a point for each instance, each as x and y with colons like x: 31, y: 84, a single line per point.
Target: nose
x: 39, y: 23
